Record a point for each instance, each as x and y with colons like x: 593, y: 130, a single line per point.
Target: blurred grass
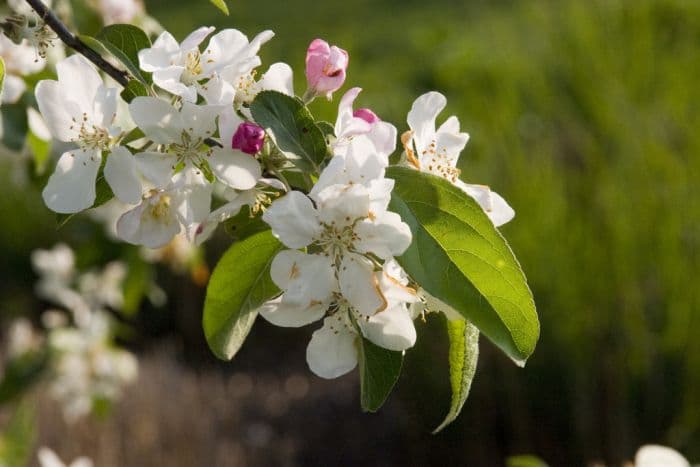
x: 585, y: 116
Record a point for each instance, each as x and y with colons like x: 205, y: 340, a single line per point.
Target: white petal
x: 391, y: 329
x: 49, y: 97
x: 37, y: 125
x: 194, y: 204
x: 451, y: 125
x: 48, y: 458
x: 169, y: 79
x: 12, y: 89
x: 332, y: 351
x: 359, y: 285
x: 229, y: 121
x: 219, y: 215
x: 293, y: 219
x: 157, y: 167
x: 195, y: 38
x: 279, y: 77
x: 386, y: 236
x: 346, y: 125
x: 199, y: 120
x: 71, y: 188
x: 393, y: 284
x: 422, y: 115
x: 159, y: 56
x: 104, y: 107
x: 493, y: 204
x: 121, y: 174
x: 451, y: 145
x: 306, y: 279
x: 223, y: 48
x: 159, y: 120
x: 283, y: 314
x: 659, y: 456
x: 234, y: 168
x: 383, y: 135
x: 343, y: 204
x: 79, y: 80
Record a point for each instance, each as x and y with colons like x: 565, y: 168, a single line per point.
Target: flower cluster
x: 193, y: 152
x: 86, y: 366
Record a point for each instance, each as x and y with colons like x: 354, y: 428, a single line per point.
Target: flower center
x: 89, y: 135
x: 336, y: 240
x: 437, y: 162
x: 247, y: 88
x: 161, y: 208
x: 193, y: 68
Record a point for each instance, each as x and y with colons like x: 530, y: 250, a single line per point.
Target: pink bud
x: 325, y: 67
x: 248, y: 138
x: 367, y: 115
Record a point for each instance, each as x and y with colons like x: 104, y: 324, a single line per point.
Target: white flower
x: 104, y: 288
x: 183, y: 70
x: 22, y: 338
x: 182, y: 134
x: 20, y: 60
x: 87, y: 367
x: 77, y: 108
x: 56, y: 268
x: 48, y: 458
x: 163, y: 212
x: 659, y: 456
x: 437, y: 151
x: 345, y: 232
x: 119, y: 11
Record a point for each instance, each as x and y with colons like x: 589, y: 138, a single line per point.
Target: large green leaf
x: 293, y: 127
x: 458, y: 256
x: 379, y: 370
x: 124, y: 41
x: 221, y: 5
x: 463, y: 356
x: 239, y: 284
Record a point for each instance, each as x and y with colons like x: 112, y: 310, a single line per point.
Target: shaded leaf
x: 379, y: 370
x: 239, y: 284
x: 133, y: 90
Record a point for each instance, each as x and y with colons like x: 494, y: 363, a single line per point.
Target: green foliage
x: 135, y: 287
x: 41, y: 152
x: 525, y: 461
x: 221, y: 5
x: 379, y: 370
x: 20, y: 373
x: 124, y: 41
x: 133, y: 90
x: 463, y: 357
x: 2, y: 74
x: 293, y: 127
x: 243, y: 224
x: 17, y: 440
x: 13, y: 119
x: 458, y: 256
x: 239, y: 284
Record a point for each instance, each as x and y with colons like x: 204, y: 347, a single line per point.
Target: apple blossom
x: 653, y: 455
x: 20, y: 60
x: 325, y: 68
x: 183, y: 70
x: 48, y: 458
x: 366, y: 115
x: 437, y: 152
x: 77, y: 108
x: 119, y: 11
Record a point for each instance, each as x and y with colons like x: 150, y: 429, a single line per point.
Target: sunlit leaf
x: 221, y: 5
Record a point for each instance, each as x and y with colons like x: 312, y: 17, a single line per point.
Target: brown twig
x: 68, y: 38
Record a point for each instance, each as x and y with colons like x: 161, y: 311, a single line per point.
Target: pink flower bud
x: 367, y: 115
x: 325, y: 67
x: 248, y: 138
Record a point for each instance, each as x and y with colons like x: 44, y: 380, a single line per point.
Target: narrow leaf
x: 221, y: 5
x: 2, y: 75
x: 379, y: 370
x: 239, y: 284
x: 463, y: 355
x: 459, y: 257
x: 293, y: 127
x: 124, y: 41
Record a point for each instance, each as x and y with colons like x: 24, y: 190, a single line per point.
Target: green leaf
x: 133, y: 90
x: 13, y: 126
x: 17, y: 440
x: 239, y: 285
x: 221, y: 5
x: 458, y: 256
x: 525, y: 461
x: 137, y: 282
x: 2, y: 75
x: 41, y: 152
x: 124, y: 41
x: 243, y: 225
x: 463, y: 355
x: 379, y: 370
x: 327, y: 128
x: 21, y: 373
x: 293, y: 126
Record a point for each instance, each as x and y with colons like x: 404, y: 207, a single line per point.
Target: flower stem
x: 68, y: 38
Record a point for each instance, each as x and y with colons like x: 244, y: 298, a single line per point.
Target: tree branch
x: 52, y: 21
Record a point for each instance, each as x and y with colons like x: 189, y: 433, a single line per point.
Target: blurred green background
x: 585, y: 116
